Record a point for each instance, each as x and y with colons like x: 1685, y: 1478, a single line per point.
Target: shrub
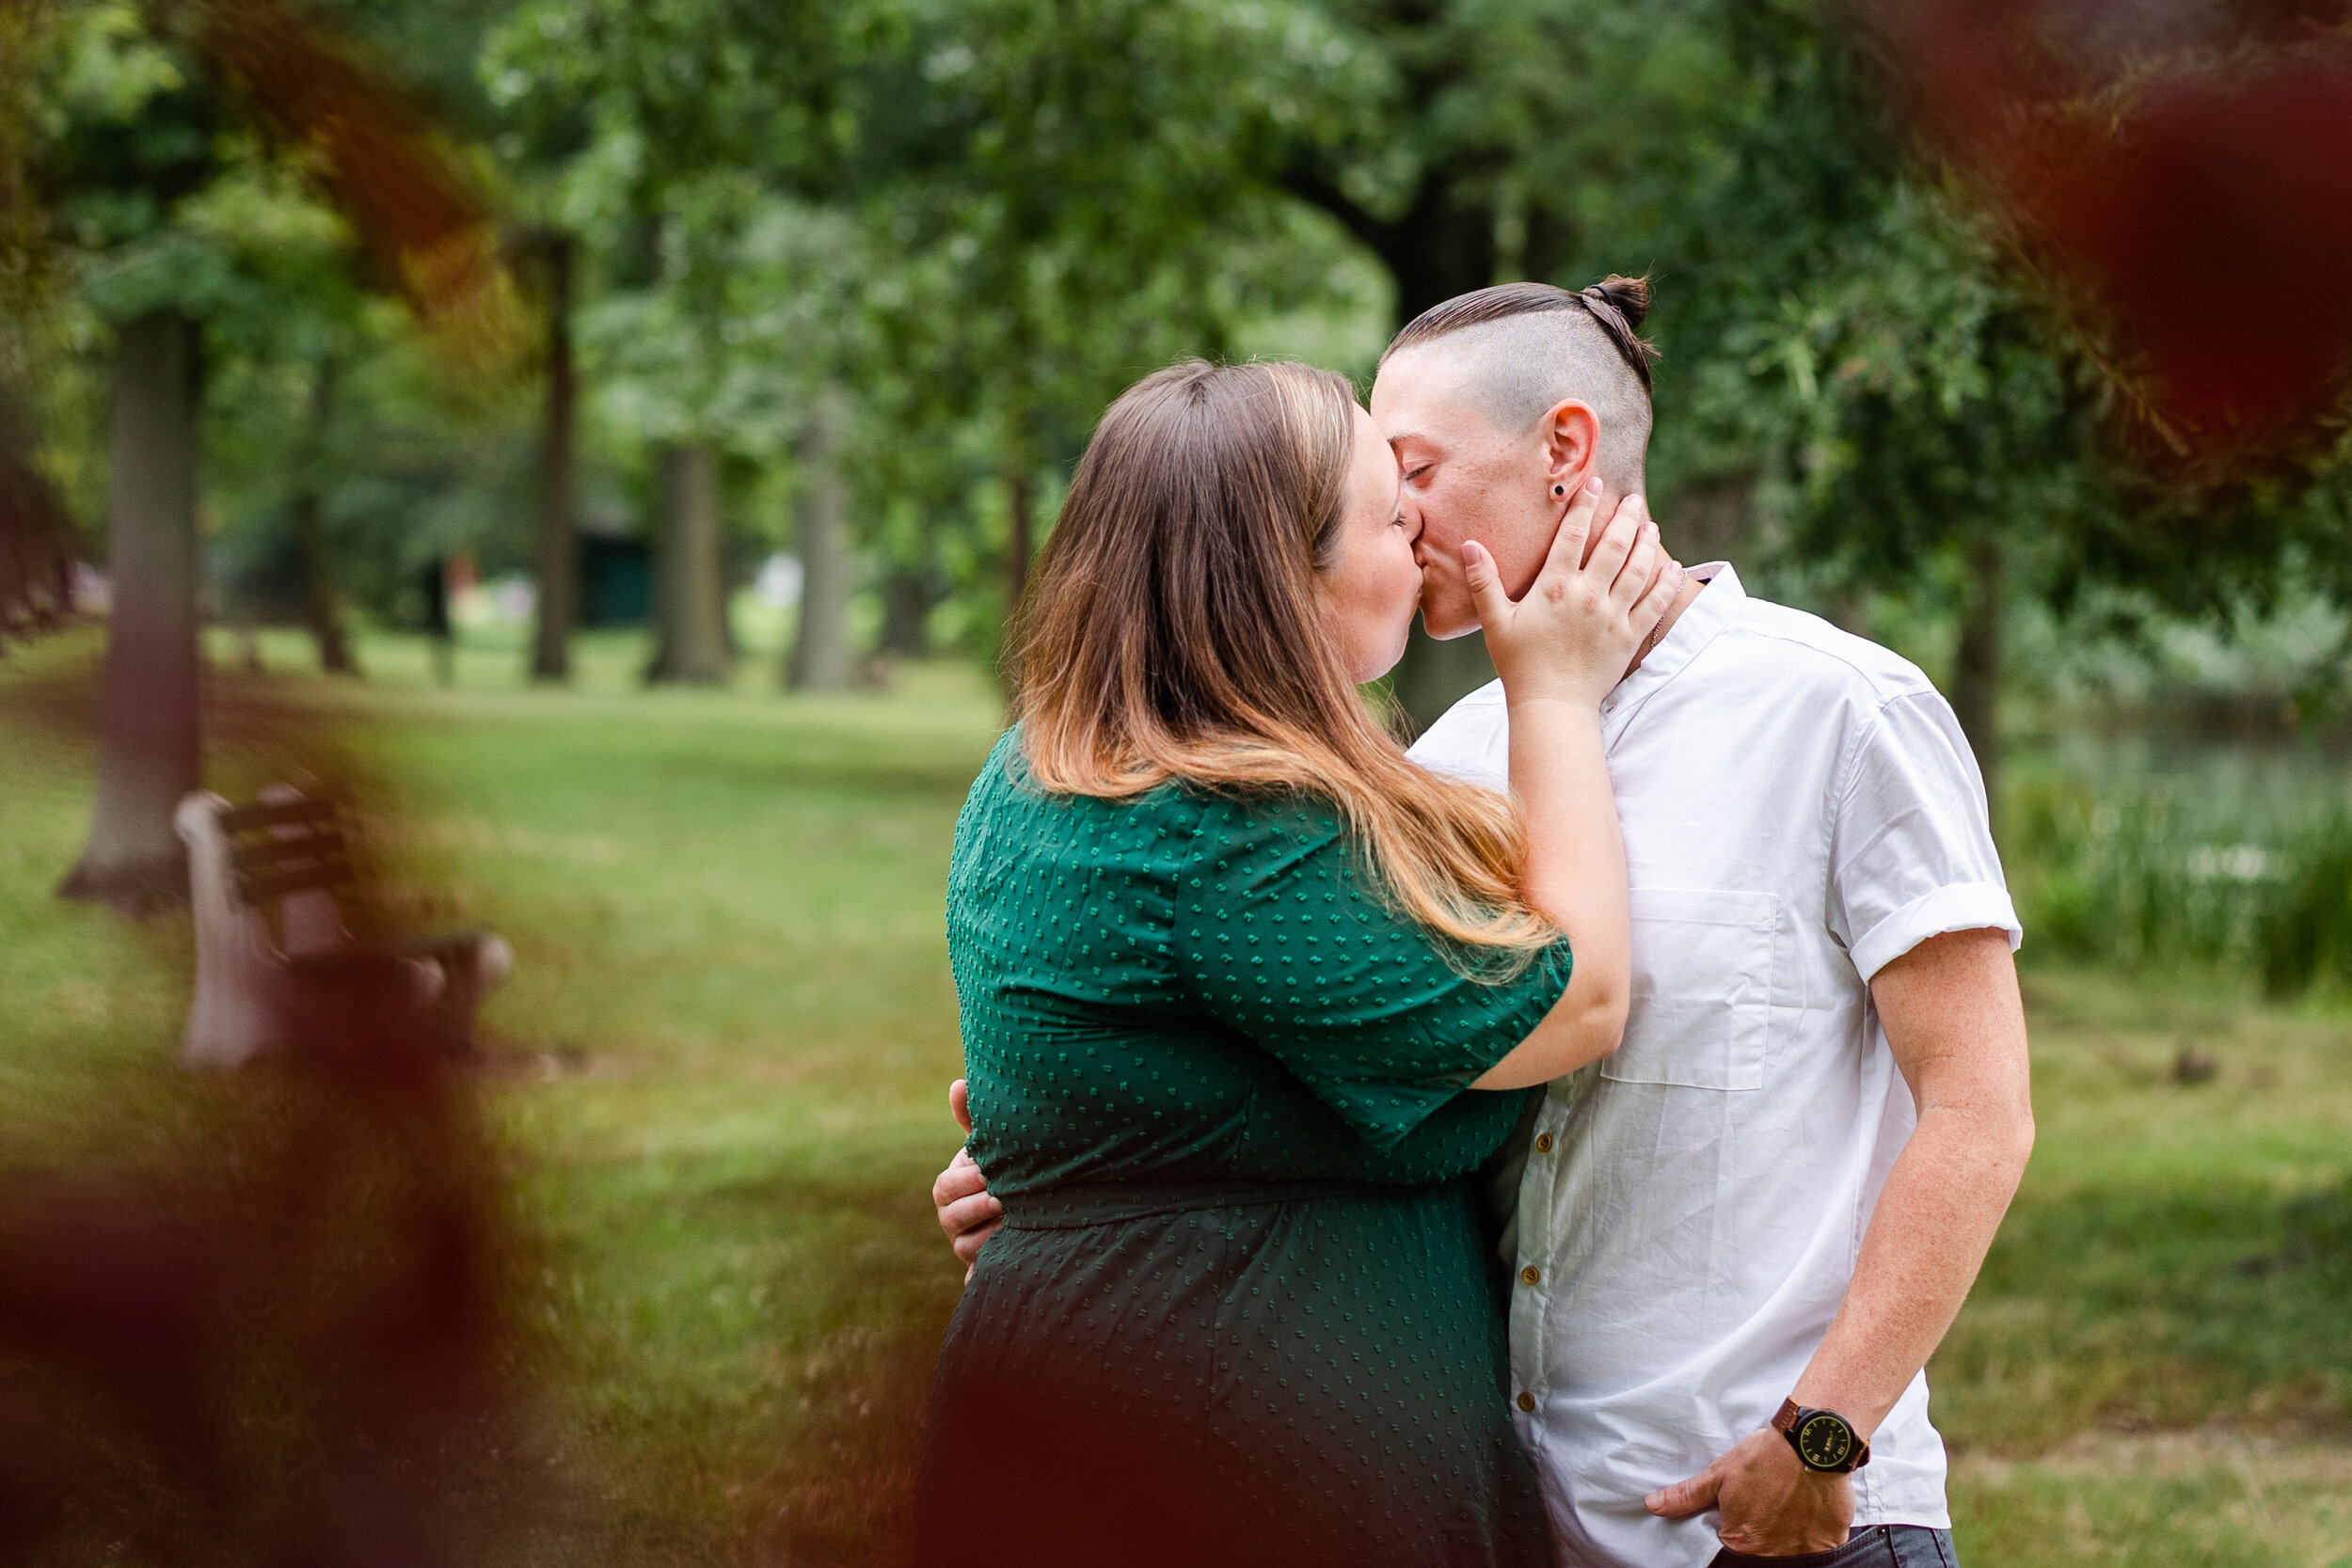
x: 2306, y: 925
x: 2152, y: 873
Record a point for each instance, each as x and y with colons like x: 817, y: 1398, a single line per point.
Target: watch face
x: 1825, y: 1442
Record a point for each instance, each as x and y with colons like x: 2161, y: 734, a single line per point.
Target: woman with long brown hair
x: 1232, y: 971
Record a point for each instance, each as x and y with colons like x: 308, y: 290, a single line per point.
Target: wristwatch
x: 1824, y: 1440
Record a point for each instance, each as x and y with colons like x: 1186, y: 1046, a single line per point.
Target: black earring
x: 1559, y: 489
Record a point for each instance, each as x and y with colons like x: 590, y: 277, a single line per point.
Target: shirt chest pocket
x: 1701, y: 1004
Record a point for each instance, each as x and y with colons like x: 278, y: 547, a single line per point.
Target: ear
x: 1571, y: 437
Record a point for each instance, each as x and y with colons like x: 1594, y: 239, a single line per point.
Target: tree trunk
x: 148, y: 755
x: 821, y: 650
x: 906, y: 596
x: 556, y: 555
x: 689, y: 581
x: 1977, y: 669
x: 322, y: 607
x: 439, y: 633
x: 1440, y: 248
x: 1020, y: 541
x: 36, y: 539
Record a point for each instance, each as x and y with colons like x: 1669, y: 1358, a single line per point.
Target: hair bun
x: 1630, y: 296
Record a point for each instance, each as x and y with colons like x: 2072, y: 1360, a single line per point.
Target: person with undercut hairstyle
x: 1247, y: 998
x: 1735, y: 1241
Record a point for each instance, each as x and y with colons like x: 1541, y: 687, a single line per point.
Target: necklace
x: 1657, y: 635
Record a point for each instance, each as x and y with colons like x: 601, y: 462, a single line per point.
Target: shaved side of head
x: 1517, y: 351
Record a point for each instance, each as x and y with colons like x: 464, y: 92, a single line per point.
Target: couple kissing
x: 1565, y: 1141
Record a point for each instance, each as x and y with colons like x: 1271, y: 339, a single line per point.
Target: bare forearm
x: 1957, y: 1028
x: 1575, y: 853
x: 1928, y: 1237
x: 1559, y: 650
x: 1576, y: 874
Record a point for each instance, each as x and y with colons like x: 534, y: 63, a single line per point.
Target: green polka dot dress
x: 1243, y: 1309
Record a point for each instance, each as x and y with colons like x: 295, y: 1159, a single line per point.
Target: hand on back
x: 968, y: 1212
x: 1572, y: 635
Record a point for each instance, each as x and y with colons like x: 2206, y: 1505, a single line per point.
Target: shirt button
x: 1530, y: 1274
x: 1543, y: 1143
x: 1526, y: 1401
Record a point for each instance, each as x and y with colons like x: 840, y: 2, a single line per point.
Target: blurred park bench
x: 259, y: 990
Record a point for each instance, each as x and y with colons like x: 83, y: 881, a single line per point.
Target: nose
x: 1409, y: 510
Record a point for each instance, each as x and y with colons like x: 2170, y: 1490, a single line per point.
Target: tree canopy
x: 962, y: 227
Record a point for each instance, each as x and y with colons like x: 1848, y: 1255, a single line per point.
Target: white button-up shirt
x: 1800, y: 807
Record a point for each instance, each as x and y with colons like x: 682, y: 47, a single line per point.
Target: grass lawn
x: 718, y: 1094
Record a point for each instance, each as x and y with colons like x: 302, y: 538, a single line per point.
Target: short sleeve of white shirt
x: 1912, y: 855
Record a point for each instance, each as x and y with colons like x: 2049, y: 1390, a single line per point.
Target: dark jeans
x: 1874, y: 1546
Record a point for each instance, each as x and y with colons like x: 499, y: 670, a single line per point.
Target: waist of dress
x: 1075, y: 1204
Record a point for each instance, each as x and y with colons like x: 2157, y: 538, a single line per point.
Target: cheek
x: 1403, y: 577
x: 1440, y: 539
x: 1372, y: 601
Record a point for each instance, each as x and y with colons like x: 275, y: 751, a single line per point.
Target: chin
x: 1445, y: 625
x: 1447, y: 616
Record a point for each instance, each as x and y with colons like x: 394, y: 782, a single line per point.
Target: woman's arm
x: 1576, y: 874
x: 1560, y: 649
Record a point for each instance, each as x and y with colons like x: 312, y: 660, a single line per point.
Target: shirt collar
x: 1718, y: 605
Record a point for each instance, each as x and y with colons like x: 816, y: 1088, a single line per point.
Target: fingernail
x: 1591, y: 485
x: 1654, y: 1500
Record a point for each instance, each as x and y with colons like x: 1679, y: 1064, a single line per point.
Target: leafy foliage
x: 970, y: 224
x: 2157, y: 874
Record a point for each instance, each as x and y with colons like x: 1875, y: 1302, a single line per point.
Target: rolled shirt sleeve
x: 1912, y: 854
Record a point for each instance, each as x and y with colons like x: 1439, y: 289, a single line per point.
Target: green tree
x: 1077, y: 195
x: 1001, y: 213
x: 147, y: 115
x: 137, y: 132
x: 668, y: 132
x: 1864, y: 380
x: 37, y: 535
x: 1476, y: 141
x: 1918, y: 403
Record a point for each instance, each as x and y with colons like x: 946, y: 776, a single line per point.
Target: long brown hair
x: 1173, y: 632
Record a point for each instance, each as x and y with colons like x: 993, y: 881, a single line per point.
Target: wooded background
x: 355, y: 291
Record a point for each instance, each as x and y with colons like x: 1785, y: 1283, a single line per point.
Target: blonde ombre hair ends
x: 1173, y: 632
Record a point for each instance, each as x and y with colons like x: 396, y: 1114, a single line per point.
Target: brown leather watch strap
x: 1785, y: 1422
